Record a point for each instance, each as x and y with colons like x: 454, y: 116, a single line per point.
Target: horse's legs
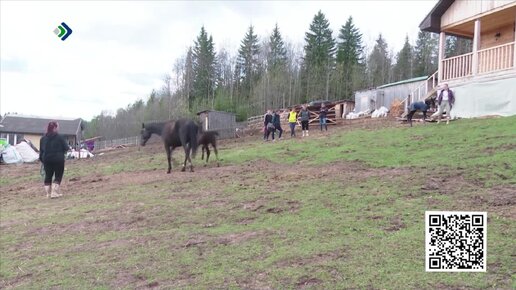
x: 216, y: 153
x: 202, y: 154
x: 190, y: 158
x: 186, y: 157
x: 169, y: 153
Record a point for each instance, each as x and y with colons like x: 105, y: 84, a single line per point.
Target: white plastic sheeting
x: 11, y: 156
x: 82, y: 154
x: 485, y: 98
x: 26, y: 152
x: 380, y: 113
x: 354, y: 115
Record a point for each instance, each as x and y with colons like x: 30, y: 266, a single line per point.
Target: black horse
x: 421, y: 106
x: 182, y: 132
x: 205, y: 139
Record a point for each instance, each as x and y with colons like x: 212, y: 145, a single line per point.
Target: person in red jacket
x: 52, y: 149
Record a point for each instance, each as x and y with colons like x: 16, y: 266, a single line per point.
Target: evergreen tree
x: 426, y: 54
x: 404, y: 62
x: 277, y: 52
x: 349, y: 59
x: 203, y: 69
x: 379, y: 64
x: 457, y: 46
x: 319, y: 57
x: 248, y: 61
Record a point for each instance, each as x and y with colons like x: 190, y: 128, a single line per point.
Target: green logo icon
x: 63, y: 31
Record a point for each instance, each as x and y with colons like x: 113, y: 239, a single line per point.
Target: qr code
x: 455, y: 241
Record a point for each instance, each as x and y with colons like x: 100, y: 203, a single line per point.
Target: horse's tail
x: 194, y: 130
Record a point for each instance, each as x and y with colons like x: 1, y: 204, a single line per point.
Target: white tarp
x: 83, y: 154
x: 26, y: 152
x: 10, y: 155
x: 380, y: 113
x: 353, y: 115
x: 485, y: 98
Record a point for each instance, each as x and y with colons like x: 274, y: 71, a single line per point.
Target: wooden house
x: 222, y: 122
x: 15, y: 128
x: 483, y: 80
x: 385, y: 95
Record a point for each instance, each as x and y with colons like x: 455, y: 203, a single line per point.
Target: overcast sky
x: 119, y: 51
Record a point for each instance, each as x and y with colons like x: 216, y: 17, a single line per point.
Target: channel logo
x: 63, y: 31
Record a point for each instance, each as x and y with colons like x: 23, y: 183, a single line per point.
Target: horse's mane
x: 155, y: 128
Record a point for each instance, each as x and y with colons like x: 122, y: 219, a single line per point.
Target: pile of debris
x: 22, y: 152
x: 380, y: 113
x: 397, y: 108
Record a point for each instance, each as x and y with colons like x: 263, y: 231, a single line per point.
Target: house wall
x: 34, y: 139
x: 374, y: 99
x: 488, y: 38
x: 224, y: 123
x: 463, y: 10
x: 475, y: 99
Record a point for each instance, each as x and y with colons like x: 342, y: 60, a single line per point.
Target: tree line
x: 269, y: 72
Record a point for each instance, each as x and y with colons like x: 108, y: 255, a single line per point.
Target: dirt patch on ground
x: 500, y: 200
x: 305, y: 282
x: 446, y: 184
x: 505, y: 147
x: 396, y: 224
x: 227, y: 239
x: 318, y: 259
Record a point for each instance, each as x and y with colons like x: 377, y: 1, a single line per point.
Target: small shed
x: 15, y: 128
x: 384, y: 95
x: 222, y: 122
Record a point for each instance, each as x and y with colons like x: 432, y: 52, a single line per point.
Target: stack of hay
x: 397, y: 108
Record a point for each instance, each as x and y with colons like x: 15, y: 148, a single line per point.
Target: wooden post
x: 514, y: 48
x: 476, y: 45
x: 338, y: 113
x: 440, y: 67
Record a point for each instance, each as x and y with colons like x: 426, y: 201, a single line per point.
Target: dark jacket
x: 419, y: 106
x: 323, y: 112
x: 276, y: 120
x: 267, y: 119
x: 451, y: 97
x: 305, y: 115
x: 52, y: 148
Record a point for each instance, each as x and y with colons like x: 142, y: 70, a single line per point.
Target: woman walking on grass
x: 276, y: 121
x: 292, y: 120
x: 52, y: 149
x: 322, y: 116
x: 305, y: 117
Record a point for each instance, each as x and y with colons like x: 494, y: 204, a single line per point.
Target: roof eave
x: 432, y: 21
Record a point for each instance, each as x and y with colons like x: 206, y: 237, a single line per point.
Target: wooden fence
x: 129, y: 141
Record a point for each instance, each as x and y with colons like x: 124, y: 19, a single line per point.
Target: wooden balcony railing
x: 496, y: 58
x: 489, y: 60
x: 458, y: 66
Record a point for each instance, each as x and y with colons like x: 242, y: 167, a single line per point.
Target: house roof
x: 412, y: 80
x: 38, y: 125
x: 432, y: 21
x: 213, y: 111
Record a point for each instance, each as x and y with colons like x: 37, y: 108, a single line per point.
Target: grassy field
x: 338, y: 210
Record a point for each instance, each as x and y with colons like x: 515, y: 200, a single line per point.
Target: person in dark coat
x: 276, y: 121
x: 52, y: 149
x: 323, y: 113
x: 304, y: 115
x: 267, y: 125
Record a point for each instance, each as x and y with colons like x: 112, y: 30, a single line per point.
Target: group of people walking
x: 272, y: 121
